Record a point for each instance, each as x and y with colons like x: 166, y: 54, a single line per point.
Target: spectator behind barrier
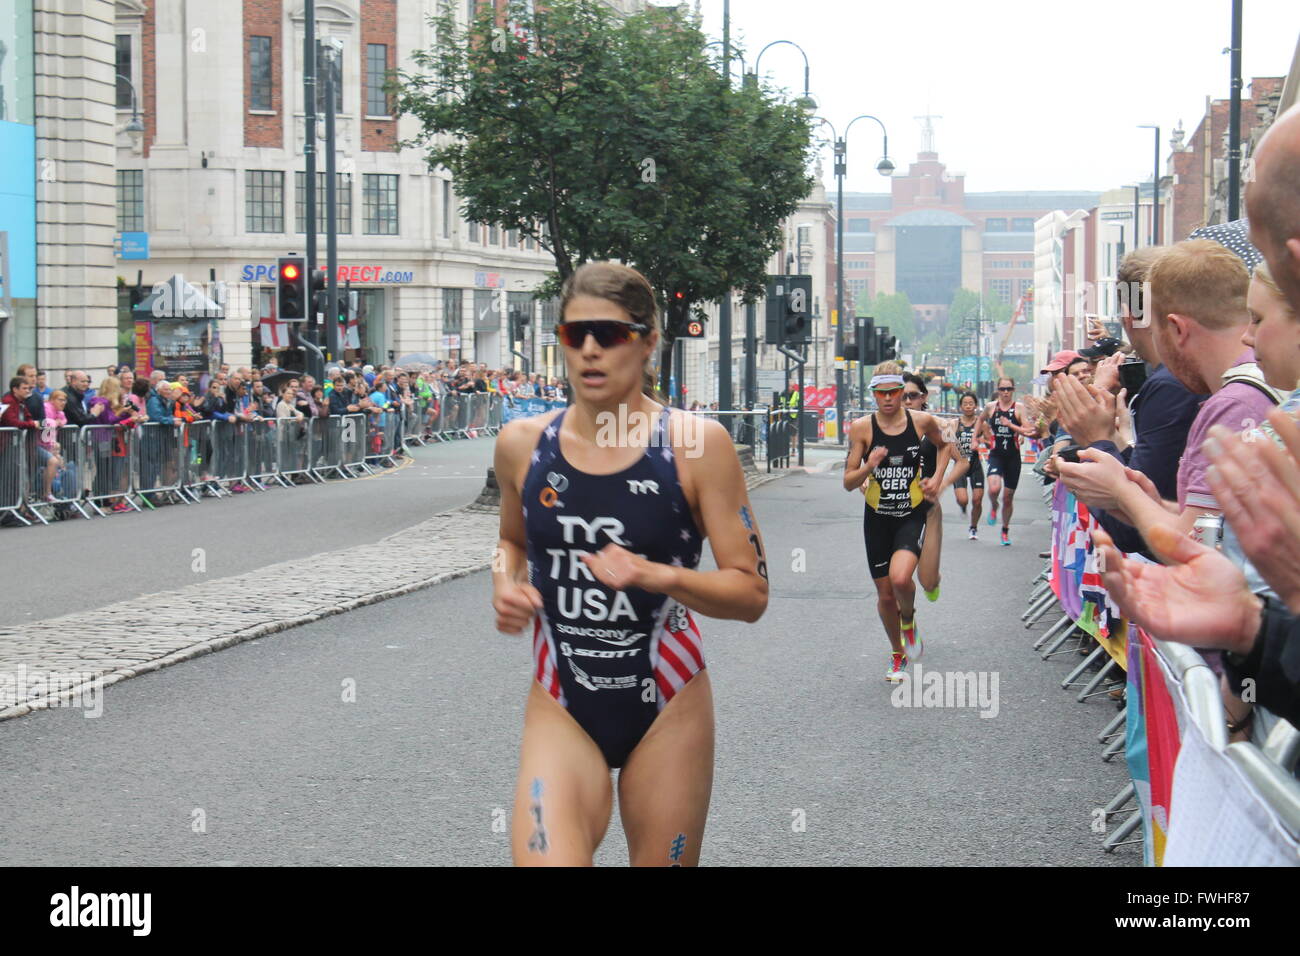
x: 1202, y: 598
x: 1199, y: 313
x: 77, y: 389
x: 1162, y: 411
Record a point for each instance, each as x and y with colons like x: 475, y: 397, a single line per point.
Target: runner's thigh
x: 663, y: 790
x: 562, y: 771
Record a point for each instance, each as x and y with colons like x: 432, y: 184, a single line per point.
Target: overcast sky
x: 1033, y: 94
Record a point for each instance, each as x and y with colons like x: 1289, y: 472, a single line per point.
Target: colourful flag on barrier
x: 1151, y: 742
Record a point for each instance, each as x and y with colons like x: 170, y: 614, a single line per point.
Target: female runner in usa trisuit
x: 884, y: 460
x: 604, y: 509
x: 968, y: 488
x: 1005, y: 417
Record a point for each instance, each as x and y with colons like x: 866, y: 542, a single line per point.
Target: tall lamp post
x: 1155, y: 182
x: 885, y: 167
x: 808, y: 104
x: 1137, y: 205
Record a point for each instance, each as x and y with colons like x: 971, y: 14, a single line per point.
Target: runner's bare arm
x: 856, y: 468
x: 933, y: 430
x: 737, y: 590
x: 513, y: 598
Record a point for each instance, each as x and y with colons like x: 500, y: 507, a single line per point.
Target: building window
x: 858, y: 291
x: 446, y: 208
x: 259, y: 73
x: 858, y: 225
x: 334, y: 64
x: 1022, y: 225
x: 493, y: 236
x: 376, y: 75
x: 452, y: 300
x: 123, y: 63
x: 130, y: 200
x: 343, y: 193
x: 1000, y: 289
x: 512, y: 239
x: 1026, y: 263
x: 263, y: 200
x: 995, y: 225
x: 1023, y: 286
x: 471, y: 230
x: 379, y: 204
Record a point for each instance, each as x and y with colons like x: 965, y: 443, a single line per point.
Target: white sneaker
x: 897, y: 668
x: 973, y: 535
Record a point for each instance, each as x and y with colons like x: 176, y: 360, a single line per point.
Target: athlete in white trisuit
x: 1006, y: 418
x: 604, y: 509
x: 884, y: 461
x: 968, y: 473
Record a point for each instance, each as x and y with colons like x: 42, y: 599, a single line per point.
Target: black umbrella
x: 275, y: 381
x: 1233, y: 236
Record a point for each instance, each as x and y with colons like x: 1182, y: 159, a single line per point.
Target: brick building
x: 1197, y: 175
x: 929, y: 237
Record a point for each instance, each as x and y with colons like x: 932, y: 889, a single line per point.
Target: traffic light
x: 795, y: 321
x: 291, y: 286
x: 788, y: 302
x: 866, y: 340
x: 887, y: 350
x: 320, y: 303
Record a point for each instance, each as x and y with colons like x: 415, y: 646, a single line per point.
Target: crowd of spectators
x: 243, y: 394
x: 1193, y: 472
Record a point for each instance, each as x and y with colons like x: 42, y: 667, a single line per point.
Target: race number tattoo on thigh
x: 537, y: 843
x: 677, y: 848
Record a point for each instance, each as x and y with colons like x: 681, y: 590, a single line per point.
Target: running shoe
x: 1006, y: 538
x: 911, y: 640
x: 993, y: 516
x: 974, y: 534
x: 897, y: 668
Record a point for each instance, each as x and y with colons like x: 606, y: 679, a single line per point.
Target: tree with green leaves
x: 895, y: 313
x: 607, y: 137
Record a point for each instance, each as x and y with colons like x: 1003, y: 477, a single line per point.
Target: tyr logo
x: 642, y: 487
x: 612, y: 526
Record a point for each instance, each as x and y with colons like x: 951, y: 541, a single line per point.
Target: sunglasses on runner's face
x: 912, y: 395
x: 884, y: 392
x: 1004, y: 388
x: 607, y: 332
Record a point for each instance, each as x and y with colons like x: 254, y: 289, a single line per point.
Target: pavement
x: 389, y: 734
x: 78, y: 564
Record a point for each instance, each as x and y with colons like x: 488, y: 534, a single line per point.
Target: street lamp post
x: 1155, y: 182
x: 1137, y: 196
x: 885, y: 167
x: 134, y: 127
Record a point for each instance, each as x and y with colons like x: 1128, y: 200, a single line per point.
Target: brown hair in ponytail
x: 626, y: 288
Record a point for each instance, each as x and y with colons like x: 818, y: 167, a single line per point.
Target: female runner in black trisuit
x: 604, y: 508
x: 971, y: 481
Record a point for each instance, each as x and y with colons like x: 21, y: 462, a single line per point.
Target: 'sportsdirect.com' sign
x: 266, y: 272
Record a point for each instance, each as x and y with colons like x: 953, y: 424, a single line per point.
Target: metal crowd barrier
x: 13, y: 469
x: 1267, y: 761
x: 95, y: 469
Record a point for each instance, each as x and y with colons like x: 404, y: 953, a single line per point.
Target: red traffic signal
x: 291, y: 292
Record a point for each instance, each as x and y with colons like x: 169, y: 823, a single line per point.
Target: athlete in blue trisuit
x: 604, y: 509
x: 884, y: 461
